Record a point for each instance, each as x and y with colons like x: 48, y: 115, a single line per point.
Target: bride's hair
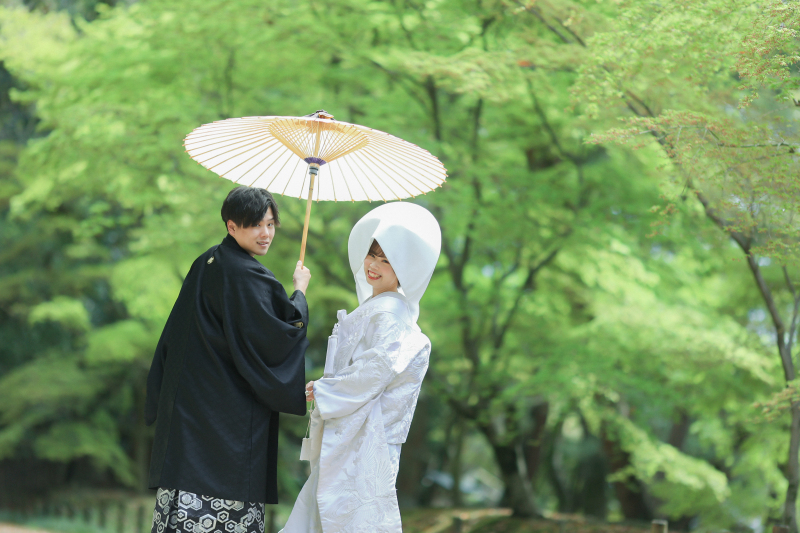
x: 378, y: 252
x: 376, y: 249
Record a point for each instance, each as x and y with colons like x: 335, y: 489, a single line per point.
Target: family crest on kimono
x: 377, y: 358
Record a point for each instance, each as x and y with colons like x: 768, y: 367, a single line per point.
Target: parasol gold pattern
x: 336, y: 140
x: 290, y: 155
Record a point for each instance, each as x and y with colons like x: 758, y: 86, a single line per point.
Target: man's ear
x: 231, y: 227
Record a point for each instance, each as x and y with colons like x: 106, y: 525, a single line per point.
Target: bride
x: 377, y: 357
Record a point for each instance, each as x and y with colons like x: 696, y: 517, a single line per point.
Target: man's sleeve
x: 266, y: 333
x: 156, y: 375
x: 154, y: 379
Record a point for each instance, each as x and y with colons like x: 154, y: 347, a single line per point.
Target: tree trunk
x: 591, y: 497
x: 784, y: 341
x: 793, y: 472
x: 556, y: 482
x: 533, y: 445
x: 455, y: 460
x: 629, y: 491
x: 679, y: 430
x: 439, y: 462
x: 518, y: 493
x: 677, y: 437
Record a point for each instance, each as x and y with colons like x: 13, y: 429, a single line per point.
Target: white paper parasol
x: 286, y: 155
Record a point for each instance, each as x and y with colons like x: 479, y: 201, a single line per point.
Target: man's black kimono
x: 230, y: 358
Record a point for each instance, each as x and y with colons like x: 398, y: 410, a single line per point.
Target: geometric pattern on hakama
x: 178, y: 511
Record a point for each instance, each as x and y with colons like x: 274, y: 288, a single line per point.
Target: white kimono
x: 365, y: 403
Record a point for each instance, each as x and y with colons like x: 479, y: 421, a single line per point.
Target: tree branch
x: 648, y: 112
x: 497, y: 293
x: 462, y: 408
x: 795, y: 309
x: 476, y: 126
x: 576, y: 160
x: 741, y: 239
x: 574, y: 35
x: 780, y: 329
x: 408, y: 33
x: 430, y: 87
x: 538, y: 14
x: 745, y: 243
x: 465, y: 410
x: 526, y: 287
x: 456, y: 265
x: 547, y: 126
x: 400, y: 78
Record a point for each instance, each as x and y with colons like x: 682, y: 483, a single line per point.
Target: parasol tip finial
x: 321, y: 113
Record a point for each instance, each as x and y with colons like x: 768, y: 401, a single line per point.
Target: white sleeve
x: 369, y: 374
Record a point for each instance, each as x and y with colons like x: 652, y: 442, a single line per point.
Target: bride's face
x: 380, y: 274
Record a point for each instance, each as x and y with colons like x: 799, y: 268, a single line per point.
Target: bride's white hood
x: 411, y: 239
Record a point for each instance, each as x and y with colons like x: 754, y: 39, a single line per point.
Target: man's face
x: 255, y: 239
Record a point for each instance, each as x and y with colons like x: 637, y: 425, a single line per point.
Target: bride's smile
x: 379, y: 272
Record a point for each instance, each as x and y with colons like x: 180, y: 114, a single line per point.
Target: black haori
x: 178, y: 511
x: 229, y: 360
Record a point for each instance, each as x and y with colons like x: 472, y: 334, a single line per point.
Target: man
x: 230, y: 358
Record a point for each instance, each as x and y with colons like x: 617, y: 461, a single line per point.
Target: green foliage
x: 97, y: 439
x: 122, y: 342
x: 565, y: 280
x: 704, y: 486
x: 769, y: 52
x: 147, y: 285
x: 67, y: 312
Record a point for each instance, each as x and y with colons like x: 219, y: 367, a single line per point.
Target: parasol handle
x: 312, y: 171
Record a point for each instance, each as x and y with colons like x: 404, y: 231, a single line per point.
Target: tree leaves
x: 97, y: 439
x: 558, y: 285
x: 68, y: 312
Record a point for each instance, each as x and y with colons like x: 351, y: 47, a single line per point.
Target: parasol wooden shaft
x: 313, y: 168
x: 308, y: 217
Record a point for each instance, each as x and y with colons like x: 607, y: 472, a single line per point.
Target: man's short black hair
x: 246, y: 206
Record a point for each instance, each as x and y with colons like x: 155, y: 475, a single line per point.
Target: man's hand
x: 301, y: 277
x: 310, y: 391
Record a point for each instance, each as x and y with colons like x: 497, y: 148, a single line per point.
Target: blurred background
x: 614, y: 310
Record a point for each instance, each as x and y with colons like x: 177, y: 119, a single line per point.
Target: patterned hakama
x: 179, y: 511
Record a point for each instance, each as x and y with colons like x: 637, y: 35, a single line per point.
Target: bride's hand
x: 310, y: 391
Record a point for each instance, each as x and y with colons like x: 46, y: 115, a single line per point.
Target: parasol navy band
x: 316, y: 160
